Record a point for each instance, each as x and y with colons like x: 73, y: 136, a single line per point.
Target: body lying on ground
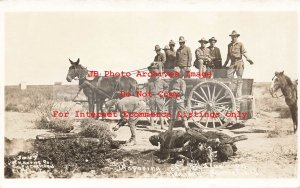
x: 195, y: 144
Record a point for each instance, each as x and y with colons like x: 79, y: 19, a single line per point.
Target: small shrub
x: 12, y: 107
x: 47, y: 121
x: 92, y: 128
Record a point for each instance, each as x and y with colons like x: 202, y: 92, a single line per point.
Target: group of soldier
x: 207, y: 58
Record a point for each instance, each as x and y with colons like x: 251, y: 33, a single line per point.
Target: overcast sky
x: 38, y: 44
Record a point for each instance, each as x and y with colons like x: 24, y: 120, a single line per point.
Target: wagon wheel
x: 166, y: 109
x: 216, y: 99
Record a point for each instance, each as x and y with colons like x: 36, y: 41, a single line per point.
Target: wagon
x: 210, y: 102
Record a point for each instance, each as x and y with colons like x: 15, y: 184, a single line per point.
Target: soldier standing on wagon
x: 215, y: 56
x: 202, y: 56
x: 160, y: 58
x: 170, y: 56
x: 156, y: 102
x: 178, y: 85
x: 235, y: 52
x: 183, y: 57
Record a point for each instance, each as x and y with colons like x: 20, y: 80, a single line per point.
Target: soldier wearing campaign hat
x: 183, y: 57
x: 156, y: 102
x: 176, y: 105
x: 170, y: 56
x: 235, y: 53
x: 202, y: 56
x: 216, y: 57
x: 160, y: 57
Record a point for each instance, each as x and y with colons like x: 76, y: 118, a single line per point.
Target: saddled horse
x: 289, y: 91
x: 99, y: 88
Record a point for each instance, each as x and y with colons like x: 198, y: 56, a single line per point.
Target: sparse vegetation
x: 46, y: 120
x: 93, y: 154
x: 92, y: 128
x: 28, y: 100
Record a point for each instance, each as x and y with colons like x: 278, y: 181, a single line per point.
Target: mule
x: 289, y: 91
x: 99, y: 88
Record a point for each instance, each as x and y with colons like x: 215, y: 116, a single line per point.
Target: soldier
x: 215, y: 56
x: 156, y: 102
x: 160, y: 58
x: 183, y: 57
x: 202, y: 56
x: 126, y: 106
x: 170, y: 56
x: 235, y: 52
x: 178, y: 85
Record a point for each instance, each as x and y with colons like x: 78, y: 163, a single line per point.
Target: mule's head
x: 278, y: 81
x: 75, y: 70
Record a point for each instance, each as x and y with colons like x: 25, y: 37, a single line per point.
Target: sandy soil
x: 264, y: 155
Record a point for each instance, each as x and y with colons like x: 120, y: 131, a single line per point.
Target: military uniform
x: 216, y: 58
x: 183, y: 59
x: 177, y: 104
x: 154, y: 87
x: 201, y: 58
x: 131, y: 104
x: 235, y: 53
x: 156, y: 102
x: 160, y: 58
x: 170, y: 60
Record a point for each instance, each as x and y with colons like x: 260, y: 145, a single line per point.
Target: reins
x: 99, y: 89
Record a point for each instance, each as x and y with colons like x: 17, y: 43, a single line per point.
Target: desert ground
x: 269, y: 152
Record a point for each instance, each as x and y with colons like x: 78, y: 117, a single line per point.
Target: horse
x: 289, y: 91
x: 99, y: 88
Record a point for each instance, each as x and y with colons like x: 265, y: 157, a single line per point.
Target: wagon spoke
x: 213, y: 121
x: 221, y: 98
x: 200, y: 102
x: 204, y: 93
x: 222, y: 103
x: 213, y: 94
x: 225, y: 109
x: 199, y: 95
x: 208, y: 92
x: 220, y: 111
x: 167, y: 102
x: 217, y: 94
